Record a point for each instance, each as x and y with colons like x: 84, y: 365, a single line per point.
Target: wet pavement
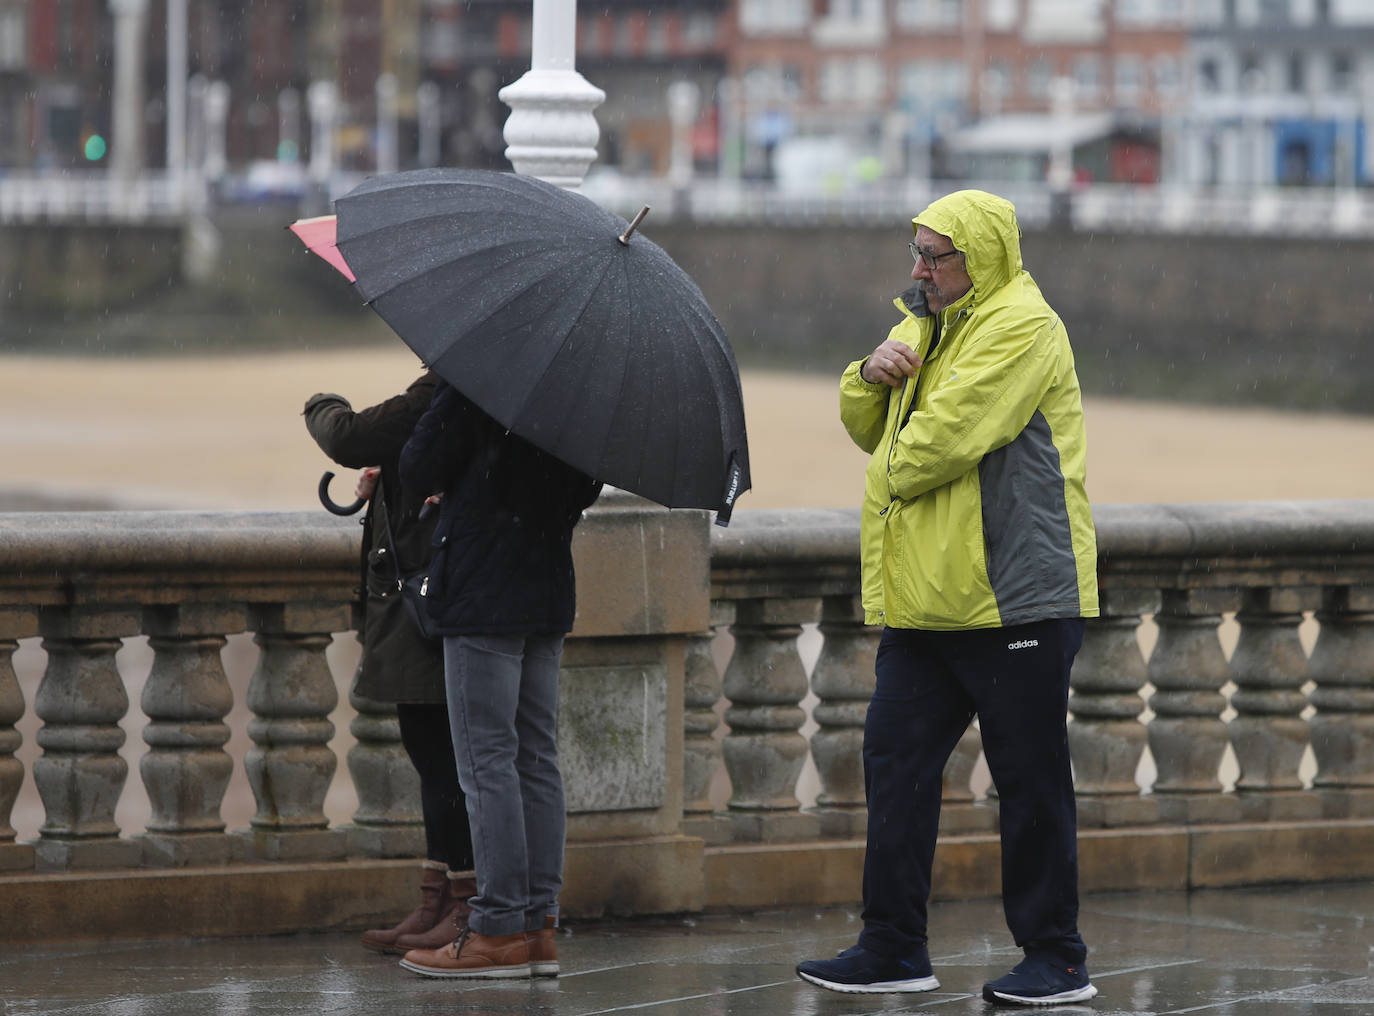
x: 1258, y: 952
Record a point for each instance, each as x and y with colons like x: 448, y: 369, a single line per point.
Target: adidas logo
x: 1023, y: 644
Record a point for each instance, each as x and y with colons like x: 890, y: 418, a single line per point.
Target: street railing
x: 94, y: 196
x: 690, y: 713
x: 1186, y: 570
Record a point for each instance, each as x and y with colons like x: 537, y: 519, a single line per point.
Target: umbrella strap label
x: 733, y: 476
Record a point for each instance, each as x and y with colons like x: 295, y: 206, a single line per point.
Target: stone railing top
x: 173, y: 540
x: 1235, y: 529
x: 97, y: 560
x: 810, y: 535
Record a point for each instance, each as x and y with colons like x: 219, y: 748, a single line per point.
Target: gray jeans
x: 503, y: 712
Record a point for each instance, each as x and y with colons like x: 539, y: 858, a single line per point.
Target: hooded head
x: 983, y: 227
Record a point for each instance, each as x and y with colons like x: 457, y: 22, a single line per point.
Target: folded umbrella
x: 547, y: 312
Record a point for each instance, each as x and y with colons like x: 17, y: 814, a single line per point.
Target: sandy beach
x: 226, y: 432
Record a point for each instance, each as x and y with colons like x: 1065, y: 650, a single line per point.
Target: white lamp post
x: 176, y: 96
x: 387, y: 156
x: 427, y: 112
x: 126, y: 143
x: 320, y: 99
x: 551, y: 132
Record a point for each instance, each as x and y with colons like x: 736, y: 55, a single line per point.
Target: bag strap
x: 391, y: 543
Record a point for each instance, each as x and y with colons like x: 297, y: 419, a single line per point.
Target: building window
x: 589, y: 35
x: 1295, y: 76
x: 1128, y: 79
x: 763, y: 17
x: 1342, y: 73
x: 772, y: 83
x: 1209, y: 13
x: 700, y: 30
x: 1273, y: 11
x: 927, y: 14
x: 13, y: 30
x: 851, y: 81
x: 864, y: 11
x: 926, y: 86
x: 1038, y: 75
x: 996, y: 81
x: 625, y: 36
x: 1000, y: 15
x: 656, y: 39
x: 1130, y: 12
x: 1168, y: 78
x: 1087, y: 75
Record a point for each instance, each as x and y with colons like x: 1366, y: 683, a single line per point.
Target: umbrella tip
x: 624, y: 237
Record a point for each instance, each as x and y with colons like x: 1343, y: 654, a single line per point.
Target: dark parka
x: 398, y: 663
x: 502, y: 560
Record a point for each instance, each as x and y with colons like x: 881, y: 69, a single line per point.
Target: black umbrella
x: 550, y: 314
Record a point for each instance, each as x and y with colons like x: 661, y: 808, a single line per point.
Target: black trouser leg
x: 916, y: 717
x: 425, y: 734
x: 1022, y: 702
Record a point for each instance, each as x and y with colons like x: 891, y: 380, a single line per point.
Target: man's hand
x: 367, y: 483
x: 891, y: 363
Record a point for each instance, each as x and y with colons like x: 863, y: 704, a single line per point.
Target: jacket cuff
x: 856, y: 372
x: 320, y: 397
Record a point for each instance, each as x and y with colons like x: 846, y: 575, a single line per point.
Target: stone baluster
x: 1342, y: 666
x: 764, y: 750
x: 15, y: 625
x: 959, y: 811
x: 1187, y: 736
x: 186, y: 769
x: 1268, y: 733
x: 1106, y: 737
x: 80, y: 774
x: 290, y: 767
x: 389, y: 821
x: 843, y: 682
x: 701, y: 751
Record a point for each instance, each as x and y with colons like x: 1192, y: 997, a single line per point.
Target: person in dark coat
x: 398, y: 664
x: 501, y: 592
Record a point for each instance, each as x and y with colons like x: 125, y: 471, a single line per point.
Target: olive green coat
x: 398, y: 664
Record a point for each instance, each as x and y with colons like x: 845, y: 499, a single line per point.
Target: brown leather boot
x: 473, y: 955
x: 433, y: 886
x: 453, y: 918
x: 543, y: 946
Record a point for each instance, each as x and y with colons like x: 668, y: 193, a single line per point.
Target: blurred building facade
x: 1201, y: 92
x: 1283, y: 93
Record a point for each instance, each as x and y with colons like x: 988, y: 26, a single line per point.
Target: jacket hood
x: 984, y: 227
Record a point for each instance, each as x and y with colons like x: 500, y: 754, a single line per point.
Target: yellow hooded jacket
x: 975, y: 513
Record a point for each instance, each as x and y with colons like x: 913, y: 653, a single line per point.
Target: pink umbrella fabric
x: 318, y: 235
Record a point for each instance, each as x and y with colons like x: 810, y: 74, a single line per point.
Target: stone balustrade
x: 707, y: 763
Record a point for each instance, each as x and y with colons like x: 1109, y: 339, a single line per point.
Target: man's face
x: 949, y: 279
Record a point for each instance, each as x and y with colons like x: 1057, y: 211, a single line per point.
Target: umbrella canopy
x: 525, y: 297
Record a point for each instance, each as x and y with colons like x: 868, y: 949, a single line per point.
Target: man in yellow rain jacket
x: 980, y: 561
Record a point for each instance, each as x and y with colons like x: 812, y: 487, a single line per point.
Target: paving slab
x: 1258, y: 952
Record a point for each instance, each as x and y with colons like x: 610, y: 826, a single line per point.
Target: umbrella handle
x: 329, y: 503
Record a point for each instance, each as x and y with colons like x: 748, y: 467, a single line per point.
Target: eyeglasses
x: 932, y: 260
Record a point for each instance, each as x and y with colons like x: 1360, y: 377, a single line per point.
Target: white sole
x: 544, y: 969
x: 1064, y: 997
x: 476, y: 973
x: 876, y: 988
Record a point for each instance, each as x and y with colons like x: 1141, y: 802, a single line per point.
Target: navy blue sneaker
x: 1041, y: 980
x: 860, y: 971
